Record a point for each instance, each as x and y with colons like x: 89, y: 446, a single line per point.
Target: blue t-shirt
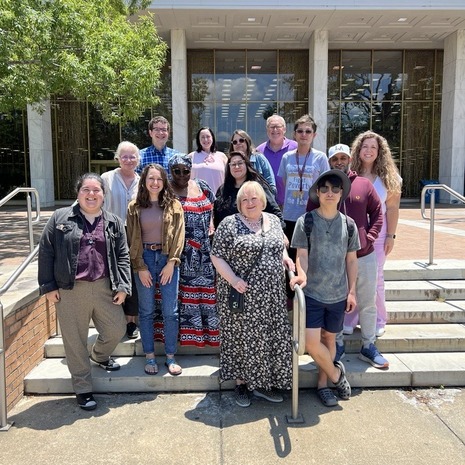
x: 295, y: 199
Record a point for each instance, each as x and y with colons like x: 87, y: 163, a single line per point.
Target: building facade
x: 353, y: 66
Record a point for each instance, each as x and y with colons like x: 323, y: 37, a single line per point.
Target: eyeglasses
x: 129, y: 158
x: 280, y: 126
x: 160, y: 129
x: 334, y: 189
x: 302, y: 131
x: 238, y: 141
x: 86, y: 190
x: 237, y: 164
x: 179, y: 171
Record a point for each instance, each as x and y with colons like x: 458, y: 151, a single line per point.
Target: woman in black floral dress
x: 256, y: 347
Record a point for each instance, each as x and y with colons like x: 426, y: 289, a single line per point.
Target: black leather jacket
x: 59, y: 251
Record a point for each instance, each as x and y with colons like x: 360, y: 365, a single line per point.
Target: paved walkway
x: 379, y: 427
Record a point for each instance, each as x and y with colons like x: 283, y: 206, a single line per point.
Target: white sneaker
x: 348, y: 330
x: 380, y: 331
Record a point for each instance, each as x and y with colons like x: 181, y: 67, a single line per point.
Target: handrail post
x: 431, y: 226
x: 29, y: 221
x: 432, y: 188
x: 4, y: 425
x: 298, y: 347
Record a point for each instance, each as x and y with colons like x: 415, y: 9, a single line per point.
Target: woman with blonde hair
x: 372, y: 159
x: 249, y: 255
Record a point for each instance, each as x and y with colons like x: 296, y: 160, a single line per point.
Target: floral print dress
x: 256, y: 344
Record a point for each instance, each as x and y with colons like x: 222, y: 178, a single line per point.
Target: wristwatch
x: 392, y: 236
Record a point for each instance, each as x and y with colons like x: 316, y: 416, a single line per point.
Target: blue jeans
x: 155, y: 262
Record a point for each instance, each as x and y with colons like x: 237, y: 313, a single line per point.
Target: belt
x: 152, y: 246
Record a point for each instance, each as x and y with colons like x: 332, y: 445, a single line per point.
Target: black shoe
x: 131, y: 330
x: 241, y: 395
x: 86, y: 401
x: 109, y: 365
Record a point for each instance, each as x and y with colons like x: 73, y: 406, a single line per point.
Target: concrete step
x: 126, y: 348
x: 398, y: 338
x: 422, y: 312
x: 200, y: 373
x: 425, y: 290
x: 413, y: 338
x: 408, y: 270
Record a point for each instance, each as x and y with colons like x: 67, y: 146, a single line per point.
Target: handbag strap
x: 259, y: 254
x: 257, y: 259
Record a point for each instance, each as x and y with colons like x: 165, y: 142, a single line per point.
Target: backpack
x: 308, y: 226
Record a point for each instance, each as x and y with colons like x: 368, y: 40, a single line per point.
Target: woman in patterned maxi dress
x: 198, y: 316
x: 255, y: 344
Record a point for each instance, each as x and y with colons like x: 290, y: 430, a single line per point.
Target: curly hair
x: 384, y: 165
x: 166, y: 196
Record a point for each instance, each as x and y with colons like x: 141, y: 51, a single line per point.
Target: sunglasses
x: 238, y: 141
x: 179, y: 171
x: 334, y: 189
x: 302, y: 131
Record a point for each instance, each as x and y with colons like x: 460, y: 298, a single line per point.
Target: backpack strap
x: 308, y: 226
x: 350, y: 226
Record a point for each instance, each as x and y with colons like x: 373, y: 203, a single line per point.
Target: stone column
x: 452, y: 144
x: 41, y: 153
x: 318, y: 86
x: 179, y: 89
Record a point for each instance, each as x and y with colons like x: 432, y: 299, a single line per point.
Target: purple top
x: 275, y: 159
x: 92, y: 261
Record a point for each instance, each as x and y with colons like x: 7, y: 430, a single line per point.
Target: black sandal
x: 327, y: 397
x: 342, y: 385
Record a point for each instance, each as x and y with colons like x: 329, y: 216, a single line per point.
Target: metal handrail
x: 431, y: 188
x: 30, y: 221
x: 298, y: 346
x: 4, y: 425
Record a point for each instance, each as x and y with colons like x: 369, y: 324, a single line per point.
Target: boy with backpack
x: 327, y: 242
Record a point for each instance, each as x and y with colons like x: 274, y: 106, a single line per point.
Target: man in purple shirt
x: 274, y: 149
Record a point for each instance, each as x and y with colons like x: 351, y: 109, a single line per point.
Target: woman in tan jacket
x: 155, y: 223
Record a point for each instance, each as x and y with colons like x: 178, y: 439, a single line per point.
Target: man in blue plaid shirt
x: 158, y: 152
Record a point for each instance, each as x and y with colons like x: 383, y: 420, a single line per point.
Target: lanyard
x: 301, y: 171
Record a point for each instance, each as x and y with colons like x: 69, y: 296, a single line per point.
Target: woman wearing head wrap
x: 198, y: 317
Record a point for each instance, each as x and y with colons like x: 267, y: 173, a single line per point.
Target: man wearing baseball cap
x: 364, y: 206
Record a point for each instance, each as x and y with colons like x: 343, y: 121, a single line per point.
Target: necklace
x: 254, y: 225
x: 87, y: 232
x: 329, y: 223
x: 210, y: 158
